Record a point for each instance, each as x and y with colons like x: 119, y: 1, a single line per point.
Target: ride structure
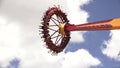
x: 55, y: 28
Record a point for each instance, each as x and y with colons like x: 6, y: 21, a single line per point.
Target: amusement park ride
x: 55, y: 28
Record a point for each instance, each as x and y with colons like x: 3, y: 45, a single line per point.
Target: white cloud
x: 9, y: 40
x: 19, y: 37
x: 77, y: 36
x: 112, y: 46
x: 75, y: 14
x: 80, y: 59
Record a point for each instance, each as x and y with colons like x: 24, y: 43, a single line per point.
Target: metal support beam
x: 100, y: 25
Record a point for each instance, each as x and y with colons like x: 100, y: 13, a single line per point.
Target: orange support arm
x: 115, y: 23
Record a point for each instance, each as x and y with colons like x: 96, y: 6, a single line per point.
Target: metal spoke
x: 56, y: 36
x: 59, y: 19
x: 54, y: 21
x: 52, y: 29
x: 52, y: 34
x: 52, y: 25
x: 59, y: 39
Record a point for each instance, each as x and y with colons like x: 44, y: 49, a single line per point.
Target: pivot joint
x: 61, y: 28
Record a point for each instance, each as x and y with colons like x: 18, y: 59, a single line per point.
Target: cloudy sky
x: 22, y: 47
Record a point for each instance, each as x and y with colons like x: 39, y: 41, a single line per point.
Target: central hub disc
x: 61, y: 28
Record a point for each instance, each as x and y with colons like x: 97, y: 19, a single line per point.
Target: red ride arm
x: 100, y: 25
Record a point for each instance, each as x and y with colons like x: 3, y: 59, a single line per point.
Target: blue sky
x: 98, y: 10
x: 21, y: 45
